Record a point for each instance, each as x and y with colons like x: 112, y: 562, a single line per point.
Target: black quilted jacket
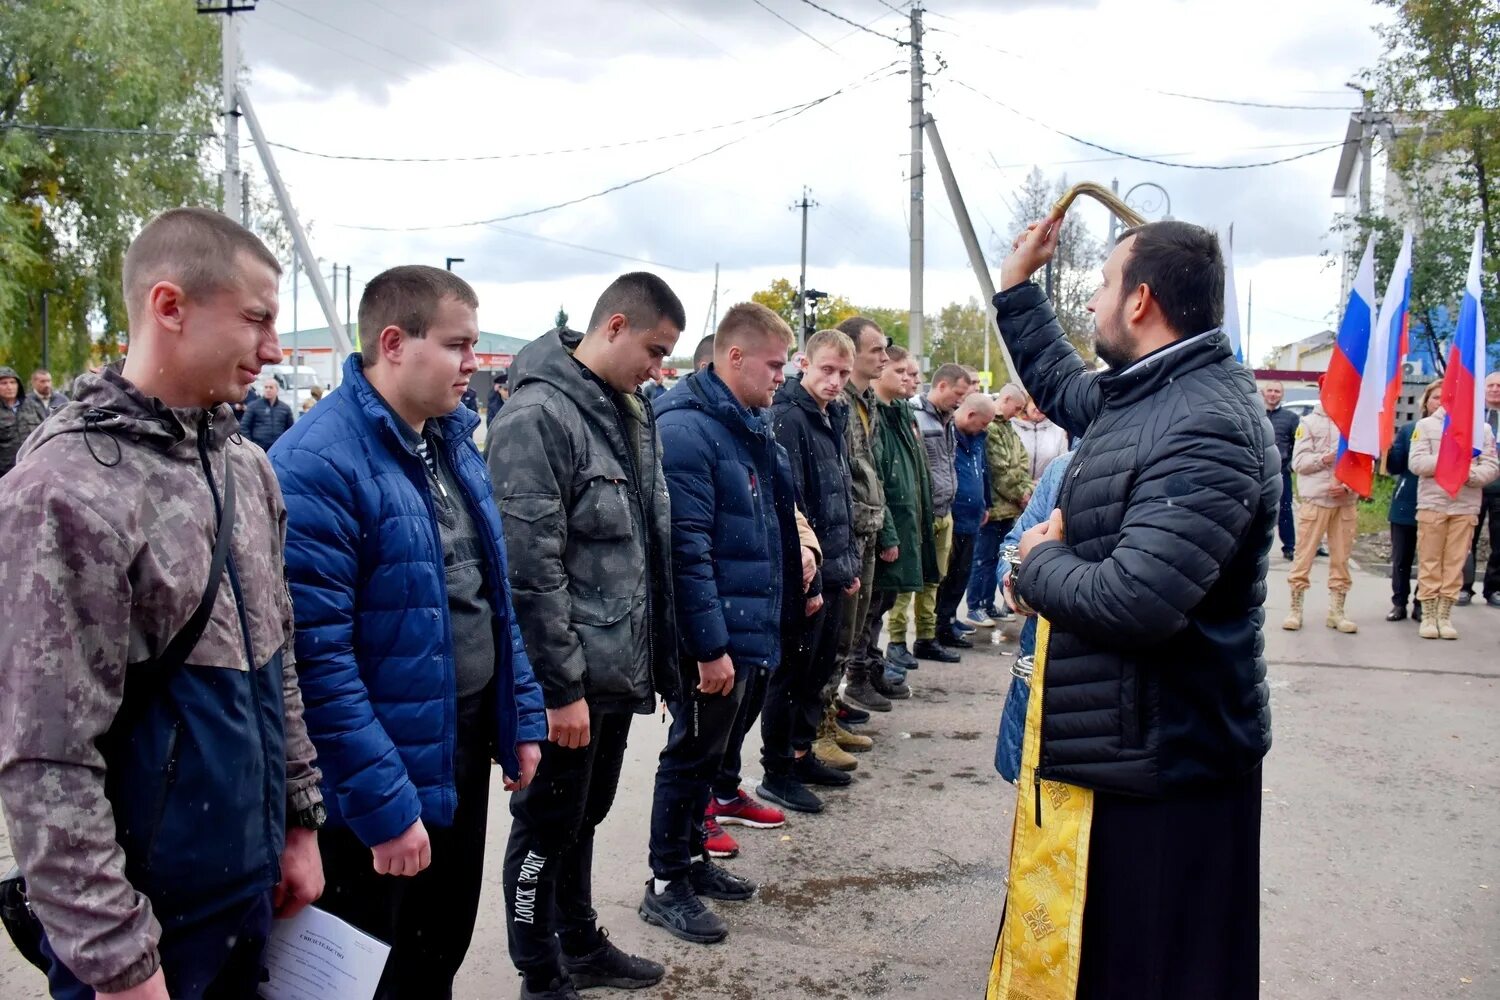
x: 1156, y: 680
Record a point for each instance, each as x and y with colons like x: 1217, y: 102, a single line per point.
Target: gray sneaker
x: 679, y: 910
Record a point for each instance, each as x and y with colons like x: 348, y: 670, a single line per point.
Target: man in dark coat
x: 808, y: 419
x: 266, y: 418
x: 736, y: 576
x: 1155, y: 691
x: 18, y: 418
x: 1285, y: 423
x: 578, y: 477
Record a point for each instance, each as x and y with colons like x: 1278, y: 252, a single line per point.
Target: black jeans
x: 794, y: 699
x: 1489, y: 509
x: 726, y: 785
x: 428, y: 918
x: 549, y: 861
x: 1286, y: 523
x: 702, y: 725
x: 1403, y: 553
x: 955, y: 582
x: 219, y: 958
x: 881, y: 606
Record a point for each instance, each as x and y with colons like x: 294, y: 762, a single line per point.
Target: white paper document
x: 316, y: 956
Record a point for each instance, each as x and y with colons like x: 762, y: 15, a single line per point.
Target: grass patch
x: 1374, y: 513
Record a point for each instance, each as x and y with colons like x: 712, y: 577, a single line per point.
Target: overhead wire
x: 280, y: 4
x: 868, y: 78
x: 1139, y: 158
x: 457, y: 45
x: 794, y: 26
x: 855, y: 24
x: 386, y: 71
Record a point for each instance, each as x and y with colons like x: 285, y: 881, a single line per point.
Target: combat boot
x: 829, y: 754
x: 1429, y: 629
x: 1336, y: 617
x: 1293, y: 620
x: 1445, y: 618
x: 845, y: 740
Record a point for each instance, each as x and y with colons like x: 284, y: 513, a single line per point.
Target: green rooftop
x: 312, y: 339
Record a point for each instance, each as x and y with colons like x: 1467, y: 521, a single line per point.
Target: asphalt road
x: 1380, y: 843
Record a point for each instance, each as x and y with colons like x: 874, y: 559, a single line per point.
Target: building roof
x: 319, y: 337
x: 1316, y: 342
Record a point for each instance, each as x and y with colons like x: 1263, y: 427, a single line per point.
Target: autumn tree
x: 1075, y: 266
x: 145, y: 75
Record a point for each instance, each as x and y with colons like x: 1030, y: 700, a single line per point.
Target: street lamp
x: 1149, y: 208
x: 809, y: 309
x: 450, y: 261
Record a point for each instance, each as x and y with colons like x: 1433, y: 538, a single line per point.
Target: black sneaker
x: 849, y: 715
x: 789, y: 793
x: 708, y: 879
x: 1465, y: 599
x: 868, y: 694
x: 681, y: 913
x: 929, y: 649
x: 893, y: 690
x: 898, y: 654
x: 607, y: 965
x: 809, y: 770
x: 558, y: 989
x: 953, y: 640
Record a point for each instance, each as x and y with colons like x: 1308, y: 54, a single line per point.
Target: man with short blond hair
x: 737, y: 581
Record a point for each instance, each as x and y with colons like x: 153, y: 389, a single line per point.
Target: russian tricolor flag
x: 1374, y: 423
x: 1463, y: 385
x: 1346, y: 371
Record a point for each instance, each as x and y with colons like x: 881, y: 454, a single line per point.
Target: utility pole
x: 1249, y: 322
x: 1114, y: 220
x: 335, y: 290
x: 229, y: 51
x: 804, y: 204
x: 1366, y: 147
x: 46, y: 333
x: 296, y: 340
x: 711, y: 320
x: 245, y: 198
x: 917, y: 117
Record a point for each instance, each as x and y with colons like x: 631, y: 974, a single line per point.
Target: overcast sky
x: 476, y: 78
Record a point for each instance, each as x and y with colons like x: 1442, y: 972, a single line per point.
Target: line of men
x: 287, y: 675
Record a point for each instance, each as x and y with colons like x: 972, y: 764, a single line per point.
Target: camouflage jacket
x: 135, y: 796
x: 1010, y: 482
x: 870, y: 514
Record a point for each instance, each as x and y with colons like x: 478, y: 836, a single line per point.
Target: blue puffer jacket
x: 971, y: 498
x: 734, y: 530
x: 374, y: 653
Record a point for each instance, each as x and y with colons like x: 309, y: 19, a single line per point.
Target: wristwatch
x: 311, y: 818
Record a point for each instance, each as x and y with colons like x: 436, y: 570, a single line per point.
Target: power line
x: 588, y: 249
x: 337, y: 51
x: 457, y: 45
x: 795, y: 27
x: 855, y: 24
x: 1110, y: 159
x: 623, y: 184
x: 894, y: 9
x: 1145, y: 159
x: 358, y: 38
x: 1257, y: 104
x: 695, y: 33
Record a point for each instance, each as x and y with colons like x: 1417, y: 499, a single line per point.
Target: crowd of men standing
x: 239, y: 748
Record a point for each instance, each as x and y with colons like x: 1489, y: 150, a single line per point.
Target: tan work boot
x: 1293, y: 620
x: 827, y: 751
x: 841, y: 736
x: 1429, y: 629
x: 1445, y: 618
x: 1336, y: 617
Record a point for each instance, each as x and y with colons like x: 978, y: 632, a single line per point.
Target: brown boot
x: 1293, y: 620
x: 1337, y: 619
x: 846, y: 740
x: 827, y: 751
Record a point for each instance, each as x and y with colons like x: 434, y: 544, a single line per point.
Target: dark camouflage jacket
x: 587, y: 527
x: 138, y: 797
x: 870, y: 515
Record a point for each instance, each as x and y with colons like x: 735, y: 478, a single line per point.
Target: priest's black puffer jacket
x: 1156, y: 678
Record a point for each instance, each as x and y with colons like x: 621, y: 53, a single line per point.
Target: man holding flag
x: 1453, y: 455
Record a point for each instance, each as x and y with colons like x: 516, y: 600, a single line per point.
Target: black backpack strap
x: 183, y: 643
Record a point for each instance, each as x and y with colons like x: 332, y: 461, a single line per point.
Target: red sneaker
x: 718, y: 843
x: 745, y: 811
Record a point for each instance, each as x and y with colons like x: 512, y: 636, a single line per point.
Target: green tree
x: 1437, y: 86
x: 781, y: 298
x: 70, y: 202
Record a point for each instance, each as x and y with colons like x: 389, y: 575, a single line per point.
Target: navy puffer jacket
x: 374, y: 649
x: 734, y: 529
x: 1156, y: 678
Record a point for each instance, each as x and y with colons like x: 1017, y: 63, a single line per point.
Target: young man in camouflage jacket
x: 160, y: 808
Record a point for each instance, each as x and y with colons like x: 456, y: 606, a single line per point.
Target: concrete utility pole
x: 917, y: 116
x: 976, y: 254
x: 804, y: 204
x: 229, y: 50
